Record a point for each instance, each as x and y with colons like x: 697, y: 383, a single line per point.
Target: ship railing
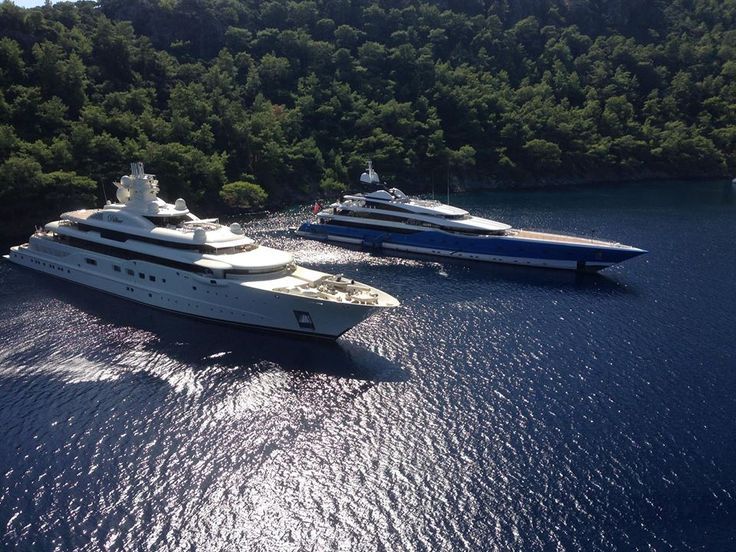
x: 334, y: 288
x: 205, y: 224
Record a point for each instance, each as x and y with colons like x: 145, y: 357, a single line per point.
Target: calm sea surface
x: 498, y: 408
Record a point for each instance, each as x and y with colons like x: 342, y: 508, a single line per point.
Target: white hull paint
x: 523, y: 261
x: 231, y: 301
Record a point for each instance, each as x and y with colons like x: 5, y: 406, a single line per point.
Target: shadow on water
x: 595, y: 282
x: 728, y: 195
x: 200, y: 345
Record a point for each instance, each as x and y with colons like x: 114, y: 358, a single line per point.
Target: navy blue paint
x: 486, y: 245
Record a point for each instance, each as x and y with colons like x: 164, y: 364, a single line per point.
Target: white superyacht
x: 160, y: 254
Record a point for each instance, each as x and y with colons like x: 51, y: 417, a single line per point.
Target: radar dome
x: 200, y: 236
x: 370, y: 176
x: 123, y: 195
x: 235, y: 228
x: 180, y: 205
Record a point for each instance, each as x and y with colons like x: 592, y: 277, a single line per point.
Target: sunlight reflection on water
x: 497, y: 408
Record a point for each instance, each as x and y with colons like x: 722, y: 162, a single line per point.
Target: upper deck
x: 142, y: 222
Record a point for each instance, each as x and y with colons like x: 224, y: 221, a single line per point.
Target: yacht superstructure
x: 387, y: 219
x: 162, y: 255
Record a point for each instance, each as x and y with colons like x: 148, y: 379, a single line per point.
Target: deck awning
x: 212, y: 264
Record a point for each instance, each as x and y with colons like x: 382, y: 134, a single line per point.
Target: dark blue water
x: 497, y: 408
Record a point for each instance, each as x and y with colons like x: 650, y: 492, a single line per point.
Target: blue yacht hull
x: 508, y: 249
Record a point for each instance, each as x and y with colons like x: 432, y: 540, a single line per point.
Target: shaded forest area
x: 253, y: 103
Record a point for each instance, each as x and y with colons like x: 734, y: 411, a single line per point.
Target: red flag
x: 317, y: 207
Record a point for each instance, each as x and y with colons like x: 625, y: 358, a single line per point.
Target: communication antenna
x: 370, y: 176
x: 448, y: 183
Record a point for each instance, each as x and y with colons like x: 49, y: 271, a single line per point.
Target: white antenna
x: 136, y: 170
x: 448, y: 183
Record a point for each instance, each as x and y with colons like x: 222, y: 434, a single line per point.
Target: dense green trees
x: 252, y: 102
x: 243, y: 195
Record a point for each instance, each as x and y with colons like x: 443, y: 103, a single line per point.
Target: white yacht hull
x: 505, y: 259
x: 231, y: 301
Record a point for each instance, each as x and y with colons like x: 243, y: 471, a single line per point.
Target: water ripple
x: 497, y: 408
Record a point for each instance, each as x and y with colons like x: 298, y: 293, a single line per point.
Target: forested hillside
x: 293, y: 96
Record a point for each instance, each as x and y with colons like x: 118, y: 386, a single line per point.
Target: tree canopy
x: 293, y: 96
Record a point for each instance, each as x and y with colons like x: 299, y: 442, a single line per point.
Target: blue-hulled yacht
x: 388, y: 220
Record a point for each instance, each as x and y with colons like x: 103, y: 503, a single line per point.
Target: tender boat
x: 387, y: 219
x: 160, y: 254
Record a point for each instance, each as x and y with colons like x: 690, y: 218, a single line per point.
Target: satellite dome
x: 123, y: 195
x: 370, y: 176
x: 200, y: 236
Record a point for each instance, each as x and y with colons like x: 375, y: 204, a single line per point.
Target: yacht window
x: 141, y: 276
x: 152, y: 278
x: 381, y: 216
x: 91, y: 261
x: 394, y: 230
x: 111, y: 235
x: 116, y: 268
x: 168, y: 221
x: 227, y: 250
x: 384, y: 206
x: 470, y: 231
x: 458, y: 217
x: 123, y: 236
x: 130, y: 255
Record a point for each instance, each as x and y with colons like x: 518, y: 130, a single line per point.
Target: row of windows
x: 371, y: 227
x: 128, y: 255
x: 377, y: 216
x: 132, y: 255
x: 142, y: 276
x: 128, y: 271
x: 123, y: 237
x: 176, y: 220
x: 118, y: 268
x: 373, y: 204
x: 41, y: 263
x: 414, y: 222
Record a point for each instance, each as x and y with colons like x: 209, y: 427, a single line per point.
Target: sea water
x: 499, y: 408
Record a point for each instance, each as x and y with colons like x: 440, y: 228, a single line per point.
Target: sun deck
x: 81, y: 214
x: 527, y: 234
